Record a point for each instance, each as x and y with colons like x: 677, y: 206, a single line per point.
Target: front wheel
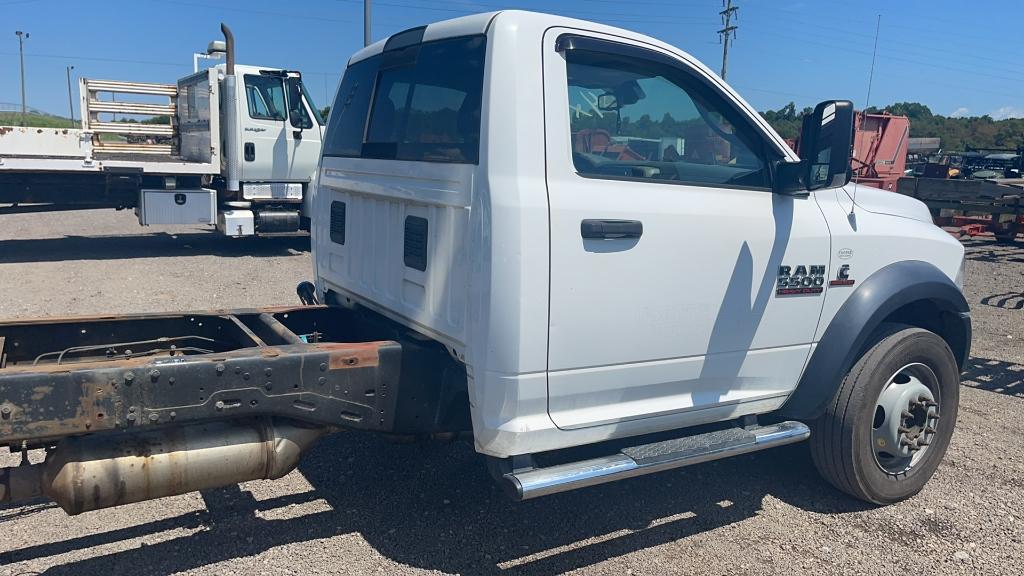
x: 890, y: 422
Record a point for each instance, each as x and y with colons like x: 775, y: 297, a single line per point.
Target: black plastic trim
x: 415, y: 242
x: 405, y: 38
x: 875, y: 300
x: 611, y: 229
x: 338, y: 222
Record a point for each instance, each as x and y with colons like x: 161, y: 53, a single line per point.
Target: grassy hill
x: 36, y: 120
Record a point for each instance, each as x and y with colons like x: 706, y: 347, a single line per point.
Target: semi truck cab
x: 280, y: 134
x: 234, y: 146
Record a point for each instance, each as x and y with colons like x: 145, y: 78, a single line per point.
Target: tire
x: 844, y: 439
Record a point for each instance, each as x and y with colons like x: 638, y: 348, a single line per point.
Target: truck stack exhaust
x: 100, y: 471
x: 231, y: 145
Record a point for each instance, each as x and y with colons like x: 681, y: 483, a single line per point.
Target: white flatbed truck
x: 231, y: 146
x: 546, y: 234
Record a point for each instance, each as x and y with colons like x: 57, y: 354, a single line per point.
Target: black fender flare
x: 884, y: 292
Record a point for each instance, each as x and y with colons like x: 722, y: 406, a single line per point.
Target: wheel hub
x: 906, y: 417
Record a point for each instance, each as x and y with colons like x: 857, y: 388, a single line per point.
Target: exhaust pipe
x: 94, y: 472
x: 230, y: 129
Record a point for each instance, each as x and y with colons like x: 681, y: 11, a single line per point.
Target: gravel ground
x: 358, y: 505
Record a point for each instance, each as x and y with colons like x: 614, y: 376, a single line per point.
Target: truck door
x: 262, y: 123
x: 305, y: 130
x: 667, y: 243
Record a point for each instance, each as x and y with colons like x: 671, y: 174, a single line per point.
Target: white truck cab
x: 280, y: 133
x: 550, y: 234
x: 614, y: 242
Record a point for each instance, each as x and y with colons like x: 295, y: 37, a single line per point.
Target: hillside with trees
x: 957, y: 134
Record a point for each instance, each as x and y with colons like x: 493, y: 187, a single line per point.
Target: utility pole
x: 71, y: 107
x: 366, y: 23
x: 21, y: 54
x: 728, y: 31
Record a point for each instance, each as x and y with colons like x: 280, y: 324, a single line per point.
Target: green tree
x: 955, y: 134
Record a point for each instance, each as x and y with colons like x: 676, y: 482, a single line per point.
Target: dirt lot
x: 358, y: 505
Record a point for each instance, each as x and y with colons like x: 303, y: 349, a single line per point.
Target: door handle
x: 611, y: 229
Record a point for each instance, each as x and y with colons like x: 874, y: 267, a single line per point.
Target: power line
x: 728, y: 31
x: 99, y: 59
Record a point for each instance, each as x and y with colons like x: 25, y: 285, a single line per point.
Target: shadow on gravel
x: 9, y: 512
x: 994, y: 376
x: 992, y: 252
x: 1006, y: 300
x: 435, y: 507
x: 157, y: 245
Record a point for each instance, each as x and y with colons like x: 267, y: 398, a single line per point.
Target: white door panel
x: 699, y: 280
x: 686, y: 316
x: 303, y: 133
x: 263, y: 115
x: 672, y: 386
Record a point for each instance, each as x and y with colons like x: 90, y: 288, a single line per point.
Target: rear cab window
x: 419, y: 102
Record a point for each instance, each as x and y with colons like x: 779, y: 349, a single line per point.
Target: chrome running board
x: 650, y: 458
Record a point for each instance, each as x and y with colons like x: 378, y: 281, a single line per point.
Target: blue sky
x: 959, y: 58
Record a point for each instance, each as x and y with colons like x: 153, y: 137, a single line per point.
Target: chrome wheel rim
x: 906, y: 419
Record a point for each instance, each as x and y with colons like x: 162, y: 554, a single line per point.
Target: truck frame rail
x: 135, y: 407
x: 324, y: 365
x: 66, y: 377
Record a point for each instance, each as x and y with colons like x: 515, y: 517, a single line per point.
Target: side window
x: 265, y: 95
x: 643, y: 119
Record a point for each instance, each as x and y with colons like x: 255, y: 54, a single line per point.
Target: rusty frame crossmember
x: 268, y: 362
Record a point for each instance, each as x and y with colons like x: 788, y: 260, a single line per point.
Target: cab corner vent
x: 338, y: 222
x: 416, y: 242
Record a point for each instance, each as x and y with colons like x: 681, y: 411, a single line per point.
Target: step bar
x: 649, y: 458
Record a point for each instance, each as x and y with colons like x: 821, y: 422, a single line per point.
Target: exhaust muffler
x: 93, y: 472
